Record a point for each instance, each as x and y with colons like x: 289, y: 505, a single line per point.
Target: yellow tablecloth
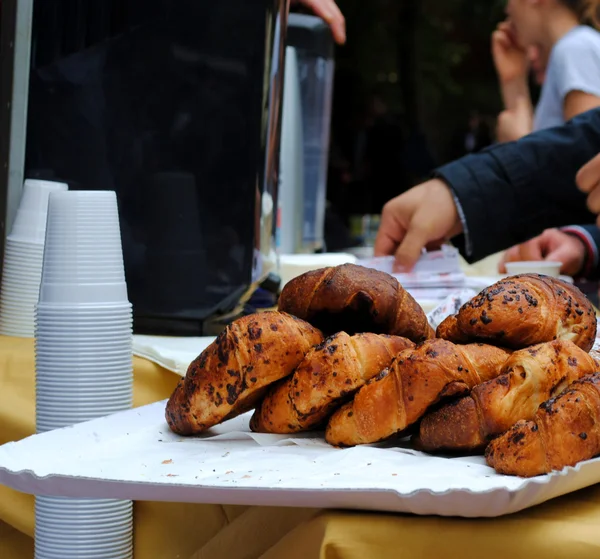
x: 564, y: 528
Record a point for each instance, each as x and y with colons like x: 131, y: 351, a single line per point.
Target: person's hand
x: 588, y: 181
x: 329, y: 11
x: 423, y: 217
x: 553, y: 245
x: 515, y: 123
x: 510, y: 59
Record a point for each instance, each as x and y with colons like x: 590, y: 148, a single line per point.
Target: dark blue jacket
x: 511, y: 192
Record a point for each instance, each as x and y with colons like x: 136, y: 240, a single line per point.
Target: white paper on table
x: 133, y: 455
x: 172, y: 353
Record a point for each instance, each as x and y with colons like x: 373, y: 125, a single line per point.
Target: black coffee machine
x: 175, y: 106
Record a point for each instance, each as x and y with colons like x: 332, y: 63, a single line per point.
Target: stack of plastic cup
x: 23, y: 256
x: 83, y: 361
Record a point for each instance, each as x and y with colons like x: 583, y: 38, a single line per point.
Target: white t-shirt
x: 574, y: 65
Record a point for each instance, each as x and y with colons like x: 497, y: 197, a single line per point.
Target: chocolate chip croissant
x: 355, y: 299
x: 231, y: 375
x: 416, y: 379
x: 328, y: 374
x: 564, y: 431
x: 522, y: 311
x: 529, y: 377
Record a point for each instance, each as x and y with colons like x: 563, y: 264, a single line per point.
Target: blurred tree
x: 430, y: 59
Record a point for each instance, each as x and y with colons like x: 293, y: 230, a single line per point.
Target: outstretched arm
x: 499, y: 197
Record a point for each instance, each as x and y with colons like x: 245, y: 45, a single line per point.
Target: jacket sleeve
x: 511, y: 192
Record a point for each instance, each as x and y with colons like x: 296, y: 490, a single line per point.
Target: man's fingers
x: 572, y: 261
x: 588, y: 176
x: 532, y: 250
x: 385, y: 244
x: 329, y: 11
x: 593, y: 200
x: 410, y: 249
x: 338, y: 24
x: 560, y: 254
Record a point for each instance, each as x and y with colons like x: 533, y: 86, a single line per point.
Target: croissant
x: 416, y: 379
x: 448, y: 330
x: 522, y: 311
x: 329, y: 373
x: 355, y: 299
x: 564, y: 431
x: 529, y: 377
x: 231, y: 374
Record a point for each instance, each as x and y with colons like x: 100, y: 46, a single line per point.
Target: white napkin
x: 173, y: 354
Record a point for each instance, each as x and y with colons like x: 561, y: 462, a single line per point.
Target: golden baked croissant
x: 522, y: 311
x: 416, y: 379
x: 353, y: 299
x: 231, y: 374
x: 564, y: 431
x: 529, y: 377
x: 329, y: 373
x: 448, y: 330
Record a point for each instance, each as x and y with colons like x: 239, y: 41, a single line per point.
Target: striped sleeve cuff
x: 591, y: 258
x: 463, y: 220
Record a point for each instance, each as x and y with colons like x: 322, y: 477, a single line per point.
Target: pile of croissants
x: 351, y: 352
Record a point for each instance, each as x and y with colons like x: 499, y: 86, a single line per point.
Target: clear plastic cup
x: 30, y: 220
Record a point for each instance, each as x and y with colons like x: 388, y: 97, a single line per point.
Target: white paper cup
x: 58, y: 362
x: 23, y: 245
x: 118, y: 397
x: 54, y: 417
x: 75, y: 323
x: 67, y: 550
x: 83, y: 257
x: 87, y: 533
x: 86, y: 390
x: 534, y: 267
x: 90, y: 346
x: 97, y: 385
x: 96, y: 359
x: 94, y: 392
x: 84, y: 311
x: 30, y: 220
x: 51, y: 401
x: 101, y: 336
x: 94, y: 366
x: 82, y: 521
x: 23, y: 251
x: 108, y: 378
x: 77, y: 506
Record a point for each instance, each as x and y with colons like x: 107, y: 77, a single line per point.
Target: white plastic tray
x: 133, y: 455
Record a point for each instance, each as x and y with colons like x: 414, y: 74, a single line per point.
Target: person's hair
x: 588, y: 11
